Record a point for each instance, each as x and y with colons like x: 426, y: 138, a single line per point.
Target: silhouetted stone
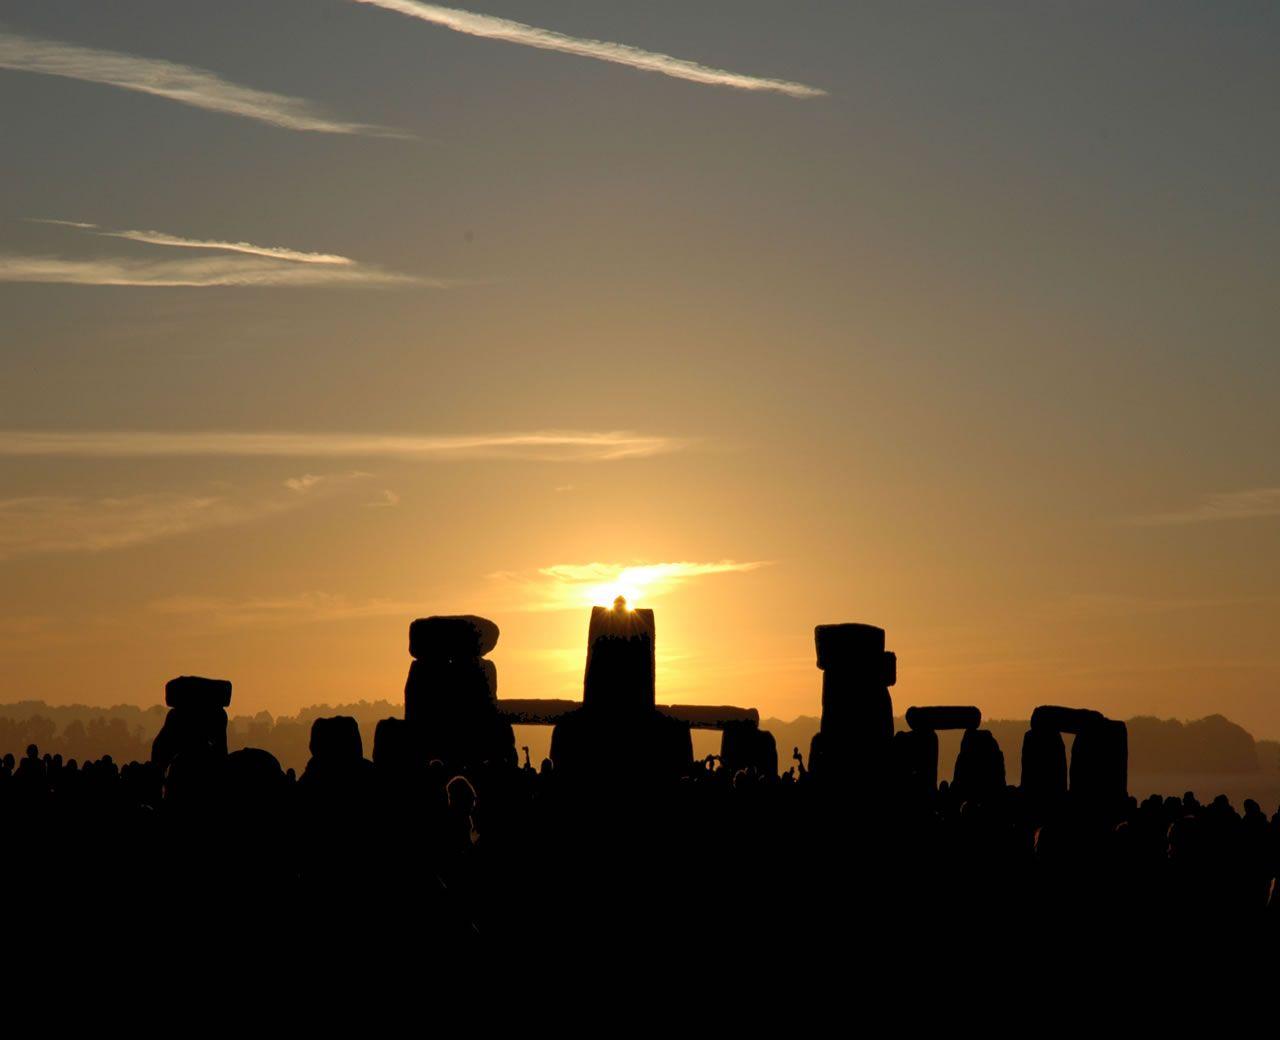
x: 1044, y: 766
x: 336, y: 739
x: 618, y: 734
x: 1100, y: 763
x: 393, y: 745
x: 451, y: 636
x: 194, y: 691
x: 196, y: 724
x: 944, y: 717
x: 1063, y: 720
x: 620, y: 659
x: 979, y: 772
x: 636, y: 749
x: 450, y: 696
x: 848, y: 645
x: 853, y: 742
x: 744, y: 745
x: 915, y: 762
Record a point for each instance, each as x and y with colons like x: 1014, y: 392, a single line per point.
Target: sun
x: 630, y: 584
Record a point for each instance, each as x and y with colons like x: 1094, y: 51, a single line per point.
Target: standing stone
x: 979, y: 772
x: 915, y: 764
x: 451, y: 694
x: 1044, y: 767
x: 196, y: 724
x: 618, y: 735
x: 1100, y: 764
x: 744, y: 745
x: 856, y: 733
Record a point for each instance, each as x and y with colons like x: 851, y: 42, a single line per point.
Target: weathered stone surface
x: 449, y: 637
x: 849, y: 646
x: 195, y: 691
x: 944, y: 717
x: 1063, y: 720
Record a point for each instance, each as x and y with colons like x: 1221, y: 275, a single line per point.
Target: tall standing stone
x: 618, y: 735
x: 856, y: 732
x: 450, y: 696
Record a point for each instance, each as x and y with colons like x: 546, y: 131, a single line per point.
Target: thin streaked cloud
x: 560, y: 446
x: 203, y: 273
x: 492, y: 28
x: 161, y: 238
x: 571, y: 586
x: 1231, y: 505
x: 250, y: 265
x: 184, y: 84
x: 301, y: 609
x: 74, y: 523
x: 58, y: 523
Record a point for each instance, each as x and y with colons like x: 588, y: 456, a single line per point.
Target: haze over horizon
x: 955, y: 319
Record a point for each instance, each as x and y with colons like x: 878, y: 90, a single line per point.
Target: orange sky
x: 956, y: 321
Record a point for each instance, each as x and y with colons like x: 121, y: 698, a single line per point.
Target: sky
x: 958, y: 319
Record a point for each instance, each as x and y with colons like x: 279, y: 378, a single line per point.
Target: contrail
x: 619, y: 53
x: 552, y: 446
x: 163, y: 238
x: 181, y: 83
x: 204, y: 273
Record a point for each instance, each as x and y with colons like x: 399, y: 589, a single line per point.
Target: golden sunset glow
x: 760, y: 318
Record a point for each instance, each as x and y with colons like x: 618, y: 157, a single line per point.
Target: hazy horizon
x: 957, y: 320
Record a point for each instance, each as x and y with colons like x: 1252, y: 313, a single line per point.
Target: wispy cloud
x: 561, y: 446
x: 303, y: 608
x: 492, y: 28
x: 181, y: 83
x: 387, y: 500
x: 51, y: 523
x: 69, y: 523
x: 253, y: 265
x: 571, y: 586
x: 1231, y: 505
x: 161, y: 238
x: 211, y: 272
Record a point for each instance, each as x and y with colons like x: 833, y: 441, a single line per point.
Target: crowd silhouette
x: 444, y: 831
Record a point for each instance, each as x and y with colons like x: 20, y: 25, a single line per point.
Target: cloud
x: 68, y: 523
x: 303, y: 608
x: 161, y: 238
x: 235, y: 272
x: 181, y: 83
x: 572, y: 586
x: 254, y: 265
x: 387, y: 500
x: 563, y: 446
x: 1231, y: 505
x: 53, y: 523
x: 492, y: 28
x: 164, y: 238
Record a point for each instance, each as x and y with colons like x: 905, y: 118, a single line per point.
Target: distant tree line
x: 1212, y: 745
